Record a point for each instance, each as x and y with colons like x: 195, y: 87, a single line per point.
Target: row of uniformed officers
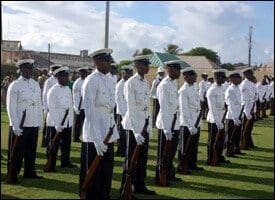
x: 93, y: 100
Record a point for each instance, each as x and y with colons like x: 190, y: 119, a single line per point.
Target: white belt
x: 27, y: 104
x: 105, y: 109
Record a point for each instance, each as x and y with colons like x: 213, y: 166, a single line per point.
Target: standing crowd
x: 99, y: 110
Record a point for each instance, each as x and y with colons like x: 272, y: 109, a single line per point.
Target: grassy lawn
x: 249, y: 176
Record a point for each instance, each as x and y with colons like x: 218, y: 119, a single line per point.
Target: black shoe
x: 196, y: 168
x: 70, y: 165
x: 76, y: 140
x: 15, y: 182
x: 144, y: 191
x: 175, y: 179
x: 34, y: 176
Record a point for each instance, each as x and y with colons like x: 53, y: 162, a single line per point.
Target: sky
x: 73, y: 26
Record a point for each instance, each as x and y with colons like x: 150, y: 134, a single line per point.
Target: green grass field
x: 249, y: 176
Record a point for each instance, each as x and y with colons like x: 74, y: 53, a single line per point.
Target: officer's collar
x: 23, y: 78
x: 61, y: 86
x: 140, y: 78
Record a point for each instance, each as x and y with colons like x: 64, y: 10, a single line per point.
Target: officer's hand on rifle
x: 58, y: 128
x: 101, y: 148
x: 237, y: 122
x: 17, y: 131
x: 77, y: 112
x: 219, y: 125
x: 168, y: 134
x: 193, y: 130
x: 139, y: 138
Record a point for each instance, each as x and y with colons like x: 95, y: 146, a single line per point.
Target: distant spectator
x: 42, y: 78
x: 4, y: 87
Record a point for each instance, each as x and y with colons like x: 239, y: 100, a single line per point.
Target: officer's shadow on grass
x: 228, y: 191
x: 249, y: 167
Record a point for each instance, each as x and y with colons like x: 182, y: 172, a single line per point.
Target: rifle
x: 79, y: 105
x: 234, y: 132
x: 162, y: 167
x: 43, y: 144
x: 11, y: 176
x: 94, y: 166
x: 214, y: 161
x: 54, y: 143
x: 246, y: 130
x: 184, y: 162
x: 127, y: 187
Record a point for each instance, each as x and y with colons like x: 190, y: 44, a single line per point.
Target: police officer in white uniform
x: 78, y: 105
x: 121, y: 107
x: 167, y: 95
x: 233, y: 102
x: 203, y: 87
x: 59, y: 99
x: 136, y: 91
x: 248, y: 98
x: 153, y: 93
x: 216, y: 105
x: 98, y: 94
x: 189, y: 101
x: 271, y: 86
x: 24, y: 94
x: 52, y: 80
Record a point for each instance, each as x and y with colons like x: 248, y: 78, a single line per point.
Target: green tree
x: 208, y: 53
x: 123, y: 62
x: 172, y: 49
x: 144, y: 51
x: 228, y: 66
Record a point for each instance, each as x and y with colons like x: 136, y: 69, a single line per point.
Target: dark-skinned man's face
x: 26, y: 72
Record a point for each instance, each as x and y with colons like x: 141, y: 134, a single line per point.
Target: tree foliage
x: 172, y: 49
x: 228, y: 66
x: 208, y: 53
x: 144, y: 51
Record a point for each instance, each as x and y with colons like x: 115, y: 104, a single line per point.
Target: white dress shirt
x: 47, y: 86
x: 121, y: 104
x: 156, y: 82
x: 167, y: 94
x: 233, y: 102
x: 98, y: 93
x: 271, y: 86
x: 59, y: 99
x: 136, y: 91
x: 203, y: 87
x: 263, y: 91
x: 77, y: 93
x: 215, y: 100
x: 189, y: 103
x: 24, y: 94
x: 248, y: 95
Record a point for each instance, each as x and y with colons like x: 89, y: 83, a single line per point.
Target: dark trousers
x: 232, y: 139
x: 100, y: 186
x: 138, y: 178
x: 156, y: 108
x: 168, y: 160
x: 192, y: 151
x: 249, y: 140
x: 204, y: 108
x: 212, y: 133
x: 65, y: 146
x: 78, y: 123
x: 271, y: 107
x: 26, y: 150
x: 121, y: 142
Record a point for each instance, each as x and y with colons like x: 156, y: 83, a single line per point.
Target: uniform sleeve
x: 229, y: 100
x: 76, y: 94
x: 44, y: 95
x: 202, y: 90
x: 162, y: 94
x: 39, y: 105
x: 88, y: 92
x: 211, y: 100
x: 51, y: 102
x: 131, y: 102
x: 11, y: 104
x: 153, y: 88
x: 184, y: 108
x: 119, y: 98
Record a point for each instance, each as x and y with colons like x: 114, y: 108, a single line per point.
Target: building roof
x: 198, y: 62
x: 158, y: 59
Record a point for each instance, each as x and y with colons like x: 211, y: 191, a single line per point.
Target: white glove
x: 139, y: 138
x: 193, y: 130
x: 248, y: 115
x: 219, y: 125
x: 237, y: 122
x: 168, y: 135
x: 77, y: 112
x: 58, y: 129
x: 45, y: 111
x: 100, y: 148
x: 17, y: 131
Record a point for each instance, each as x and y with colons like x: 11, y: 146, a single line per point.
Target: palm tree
x: 172, y: 49
x: 144, y: 51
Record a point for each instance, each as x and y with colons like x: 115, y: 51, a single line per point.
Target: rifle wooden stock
x: 43, y: 144
x: 234, y: 132
x: 184, y: 162
x: 163, y: 165
x: 127, y: 187
x: 79, y: 105
x: 246, y: 130
x: 214, y: 161
x: 94, y: 166
x: 54, y: 143
x: 11, y: 175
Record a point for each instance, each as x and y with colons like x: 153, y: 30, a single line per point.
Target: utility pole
x: 49, y: 53
x: 249, y: 45
x: 107, y: 24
